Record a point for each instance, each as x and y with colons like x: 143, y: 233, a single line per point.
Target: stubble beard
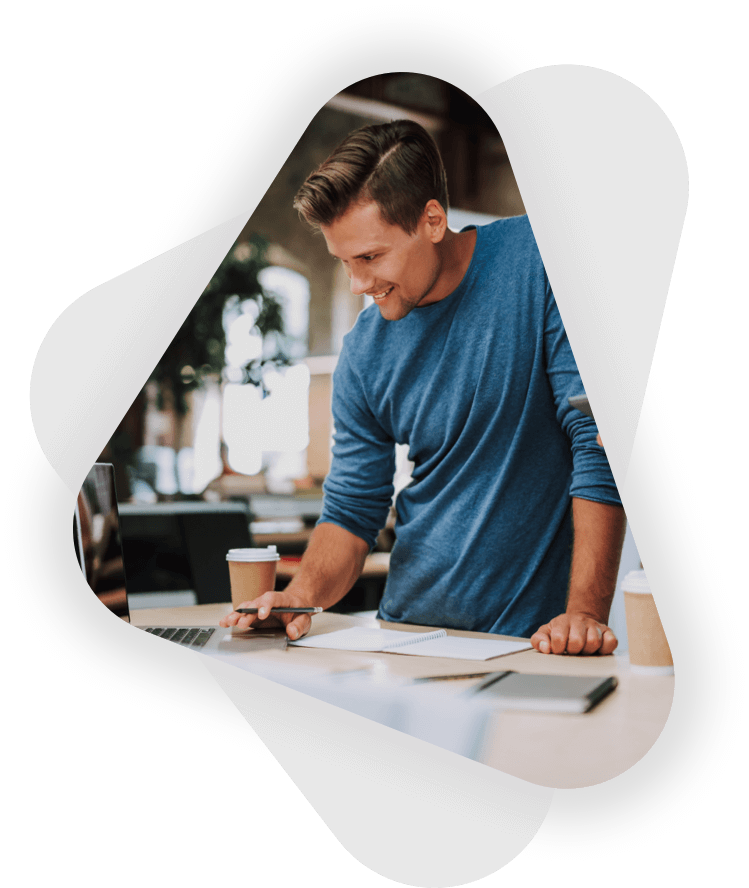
x: 406, y: 306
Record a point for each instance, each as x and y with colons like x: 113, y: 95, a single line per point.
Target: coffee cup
x: 251, y: 573
x: 649, y: 653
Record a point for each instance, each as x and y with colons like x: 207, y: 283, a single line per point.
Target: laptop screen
x: 98, y: 541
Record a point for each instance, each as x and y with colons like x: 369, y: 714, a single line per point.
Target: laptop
x: 97, y: 539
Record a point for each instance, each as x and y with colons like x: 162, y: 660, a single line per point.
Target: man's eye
x: 368, y: 258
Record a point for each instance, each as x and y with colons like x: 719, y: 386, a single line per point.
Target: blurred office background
x: 236, y: 419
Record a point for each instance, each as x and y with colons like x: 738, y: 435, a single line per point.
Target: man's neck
x: 456, y: 252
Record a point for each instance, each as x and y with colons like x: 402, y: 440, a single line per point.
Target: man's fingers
x: 243, y: 621
x: 299, y: 626
x: 587, y: 637
x: 541, y: 640
x: 233, y: 619
x: 574, y: 635
x: 609, y: 643
x: 578, y: 639
x: 560, y: 633
x: 592, y: 637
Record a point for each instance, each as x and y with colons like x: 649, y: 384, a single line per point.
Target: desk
x: 562, y: 751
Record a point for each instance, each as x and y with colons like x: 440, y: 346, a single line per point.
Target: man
x: 512, y: 523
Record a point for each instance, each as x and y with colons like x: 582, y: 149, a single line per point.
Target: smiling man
x: 400, y: 271
x: 512, y: 523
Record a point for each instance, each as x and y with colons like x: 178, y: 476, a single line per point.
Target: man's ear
x: 435, y: 218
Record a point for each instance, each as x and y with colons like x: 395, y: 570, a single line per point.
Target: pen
x: 282, y: 610
x: 455, y: 677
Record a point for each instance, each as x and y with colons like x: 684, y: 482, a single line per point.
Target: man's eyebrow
x: 362, y: 255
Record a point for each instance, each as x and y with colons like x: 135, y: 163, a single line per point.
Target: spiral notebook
x: 419, y: 644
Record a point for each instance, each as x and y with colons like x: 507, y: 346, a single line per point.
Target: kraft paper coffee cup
x: 649, y: 653
x: 251, y: 572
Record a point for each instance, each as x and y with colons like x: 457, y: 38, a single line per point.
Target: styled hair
x: 397, y: 165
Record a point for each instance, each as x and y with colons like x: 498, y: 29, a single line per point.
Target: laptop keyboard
x: 190, y: 636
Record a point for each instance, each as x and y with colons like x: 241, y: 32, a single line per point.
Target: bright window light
x: 273, y: 431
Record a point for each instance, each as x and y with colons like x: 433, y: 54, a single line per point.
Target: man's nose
x: 361, y: 282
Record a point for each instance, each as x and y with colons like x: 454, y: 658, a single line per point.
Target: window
x: 269, y: 433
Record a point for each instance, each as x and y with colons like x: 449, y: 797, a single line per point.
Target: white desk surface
x: 562, y: 751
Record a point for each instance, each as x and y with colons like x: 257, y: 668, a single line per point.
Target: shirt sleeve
x: 591, y: 473
x: 359, y: 489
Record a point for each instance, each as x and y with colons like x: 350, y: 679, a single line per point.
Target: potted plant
x: 197, y: 353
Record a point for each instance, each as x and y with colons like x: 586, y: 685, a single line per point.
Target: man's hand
x: 574, y: 634
x: 296, y: 625
x: 599, y: 534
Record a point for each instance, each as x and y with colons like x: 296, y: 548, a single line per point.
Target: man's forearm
x: 331, y: 565
x: 598, y: 538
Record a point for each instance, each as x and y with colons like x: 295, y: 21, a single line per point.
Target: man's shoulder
x: 509, y: 244
x: 511, y: 228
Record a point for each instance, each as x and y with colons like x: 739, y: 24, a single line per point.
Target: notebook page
x: 360, y: 638
x: 456, y: 648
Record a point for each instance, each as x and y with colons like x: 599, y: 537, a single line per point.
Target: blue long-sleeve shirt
x: 476, y: 385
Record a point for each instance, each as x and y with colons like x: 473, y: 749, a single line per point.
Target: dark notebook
x: 545, y: 693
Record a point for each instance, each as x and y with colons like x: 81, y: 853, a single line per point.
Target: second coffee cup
x: 251, y: 573
x: 649, y: 652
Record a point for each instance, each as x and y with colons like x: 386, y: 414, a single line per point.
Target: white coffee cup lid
x: 267, y: 554
x: 636, y: 581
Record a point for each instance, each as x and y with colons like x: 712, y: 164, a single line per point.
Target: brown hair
x: 397, y: 165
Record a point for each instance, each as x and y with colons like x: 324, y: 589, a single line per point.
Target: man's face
x: 399, y: 270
